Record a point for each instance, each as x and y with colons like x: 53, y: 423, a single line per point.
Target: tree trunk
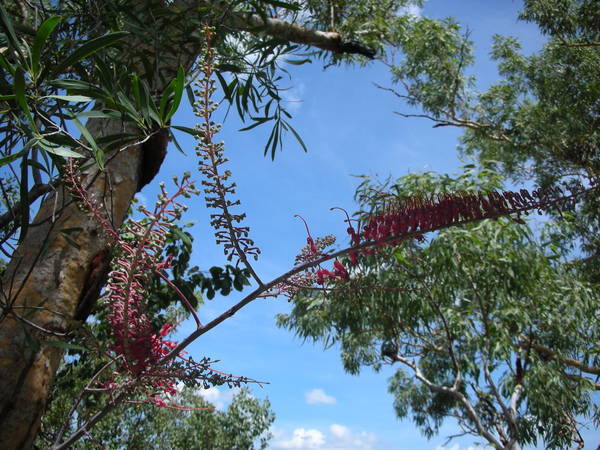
x: 44, y: 282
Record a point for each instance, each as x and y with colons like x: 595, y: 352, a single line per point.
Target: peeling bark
x: 44, y: 282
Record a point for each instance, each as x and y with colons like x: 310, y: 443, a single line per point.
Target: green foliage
x: 368, y: 21
x: 477, y: 316
x: 539, y: 122
x: 565, y: 19
x: 244, y: 424
x: 191, y: 281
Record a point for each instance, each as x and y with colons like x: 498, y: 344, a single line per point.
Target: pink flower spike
x: 340, y: 270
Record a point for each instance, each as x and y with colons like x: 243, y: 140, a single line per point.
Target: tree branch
x: 36, y: 192
x: 564, y: 359
x: 280, y: 29
x: 325, y: 40
x: 457, y: 395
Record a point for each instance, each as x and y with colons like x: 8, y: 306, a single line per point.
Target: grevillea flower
x: 137, y: 249
x: 234, y: 238
x: 137, y: 260
x: 413, y: 217
x: 340, y: 270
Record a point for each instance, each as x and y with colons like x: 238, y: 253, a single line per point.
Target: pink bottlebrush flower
x: 166, y: 329
x: 413, y: 217
x: 340, y: 270
x: 323, y: 275
x: 311, y: 245
x: 416, y: 216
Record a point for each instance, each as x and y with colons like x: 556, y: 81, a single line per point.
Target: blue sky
x: 350, y: 129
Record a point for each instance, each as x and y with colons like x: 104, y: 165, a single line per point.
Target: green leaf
x: 59, y: 150
x: 75, y: 85
x: 98, y: 152
x: 190, y: 94
x: 19, y: 89
x: 10, y: 158
x: 238, y: 284
x: 100, y: 114
x: 99, y: 157
x: 90, y: 47
x: 176, y: 142
x: 183, y: 237
x: 129, y: 107
x: 10, y: 33
x: 297, y: 136
x: 178, y: 86
x: 41, y: 36
x: 164, y: 101
x: 6, y: 65
x: 224, y: 86
x: 71, y: 98
x: 135, y: 89
x: 257, y: 121
x: 188, y: 130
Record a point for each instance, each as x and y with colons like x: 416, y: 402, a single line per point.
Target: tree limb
x: 564, y: 359
x: 453, y: 391
x: 281, y: 29
x: 35, y: 192
x: 325, y: 40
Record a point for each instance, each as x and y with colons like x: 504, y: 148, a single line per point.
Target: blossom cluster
x: 412, y: 217
x: 138, y: 349
x: 415, y: 216
x: 147, y: 362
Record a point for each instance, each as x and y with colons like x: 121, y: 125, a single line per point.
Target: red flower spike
x: 324, y: 275
x: 340, y: 270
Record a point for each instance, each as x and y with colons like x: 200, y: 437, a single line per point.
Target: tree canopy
x: 488, y: 326
x: 490, y: 323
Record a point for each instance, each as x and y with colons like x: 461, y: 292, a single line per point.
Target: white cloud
x: 344, y: 438
x: 293, y: 97
x: 339, y: 431
x: 318, y: 396
x: 302, y: 439
x: 338, y: 437
x: 411, y: 10
x: 217, y: 397
x: 457, y: 447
